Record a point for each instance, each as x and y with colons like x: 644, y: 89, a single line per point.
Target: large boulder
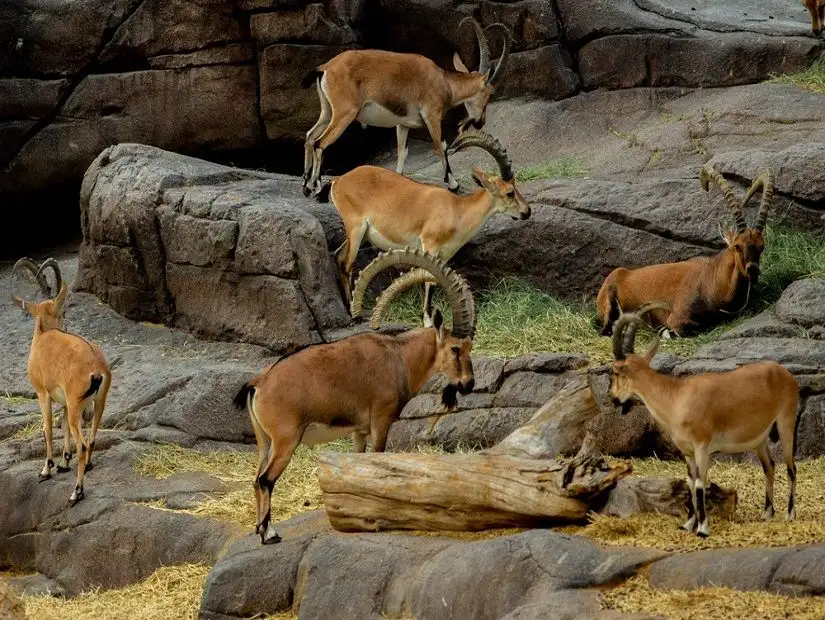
x: 171, y: 239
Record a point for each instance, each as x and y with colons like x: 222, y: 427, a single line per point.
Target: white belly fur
x: 58, y: 396
x: 321, y: 433
x: 382, y: 243
x: 378, y: 116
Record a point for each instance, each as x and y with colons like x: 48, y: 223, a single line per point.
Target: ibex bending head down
x: 700, y: 291
x: 360, y: 384
x: 405, y: 91
x: 393, y: 212
x: 729, y: 412
x: 64, y: 368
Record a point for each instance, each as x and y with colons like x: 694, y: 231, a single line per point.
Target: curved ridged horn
x: 396, y: 287
x: 624, y: 343
x: 708, y: 174
x: 30, y: 266
x: 455, y: 287
x: 483, y: 45
x: 50, y: 263
x: 765, y: 181
x: 487, y: 142
x: 506, y: 42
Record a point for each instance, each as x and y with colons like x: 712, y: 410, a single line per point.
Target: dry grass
x: 636, y: 595
x: 297, y: 489
x: 745, y: 530
x: 30, y: 431
x: 170, y: 592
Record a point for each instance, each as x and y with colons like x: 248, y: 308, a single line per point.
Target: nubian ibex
x: 394, y: 212
x: 701, y: 291
x: 64, y: 368
x: 405, y: 91
x: 360, y: 384
x: 729, y: 412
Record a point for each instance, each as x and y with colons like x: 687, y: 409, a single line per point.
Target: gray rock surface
x: 801, y: 303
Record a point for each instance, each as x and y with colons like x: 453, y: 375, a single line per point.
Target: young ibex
x: 699, y: 291
x: 817, y: 10
x: 64, y: 368
x: 405, y: 91
x: 357, y: 385
x: 729, y: 412
x: 394, y: 212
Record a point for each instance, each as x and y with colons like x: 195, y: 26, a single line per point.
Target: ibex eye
x: 456, y: 350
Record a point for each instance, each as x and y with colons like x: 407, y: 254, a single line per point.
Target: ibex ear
x: 61, y: 296
x: 459, y: 66
x: 482, y: 180
x: 728, y: 236
x: 438, y: 324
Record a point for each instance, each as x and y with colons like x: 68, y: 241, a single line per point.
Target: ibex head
x: 50, y: 311
x: 489, y: 74
x: 506, y: 196
x: 626, y: 363
x: 453, y: 346
x: 747, y: 244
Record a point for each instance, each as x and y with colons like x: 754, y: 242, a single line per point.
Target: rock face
x: 427, y: 577
x: 223, y: 77
x: 169, y: 239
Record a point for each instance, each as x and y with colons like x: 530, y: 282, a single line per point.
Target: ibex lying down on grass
x: 394, y: 212
x: 405, y: 91
x: 699, y: 291
x: 64, y: 368
x: 360, y: 384
x: 817, y: 10
x: 730, y: 412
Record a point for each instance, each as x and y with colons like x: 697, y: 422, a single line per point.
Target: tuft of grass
x: 30, y: 431
x: 637, y: 595
x: 789, y: 255
x: 170, y: 592
x: 811, y: 79
x: 746, y: 529
x: 297, y: 489
x: 556, y: 168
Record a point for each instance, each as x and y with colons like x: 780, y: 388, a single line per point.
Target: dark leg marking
x: 792, y: 484
x: 700, y: 500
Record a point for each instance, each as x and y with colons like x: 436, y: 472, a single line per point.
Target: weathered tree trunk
x: 459, y: 492
x: 516, y: 483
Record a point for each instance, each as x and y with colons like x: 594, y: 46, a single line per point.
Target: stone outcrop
x: 171, y: 239
x: 224, y: 77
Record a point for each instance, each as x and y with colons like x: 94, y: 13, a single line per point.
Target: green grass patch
x: 557, y: 168
x: 812, y: 78
x: 516, y: 318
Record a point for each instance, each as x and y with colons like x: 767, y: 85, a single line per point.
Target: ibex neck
x: 728, y: 281
x: 419, y: 351
x: 657, y: 391
x: 463, y: 86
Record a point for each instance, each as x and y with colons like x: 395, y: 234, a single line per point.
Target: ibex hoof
x: 270, y: 537
x: 43, y: 477
x: 89, y: 466
x: 76, y: 497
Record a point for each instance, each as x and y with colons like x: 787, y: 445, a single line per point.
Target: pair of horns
x: 38, y: 272
x: 487, y: 142
x: 429, y: 269
x: 764, y: 180
x: 624, y: 329
x: 490, y: 73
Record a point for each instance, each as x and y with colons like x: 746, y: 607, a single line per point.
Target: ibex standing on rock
x: 730, y: 412
x: 394, y: 212
x: 817, y: 10
x: 405, y: 91
x: 360, y: 384
x: 699, y: 291
x: 65, y: 368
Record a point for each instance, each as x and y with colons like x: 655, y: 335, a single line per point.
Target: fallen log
x: 370, y: 492
x: 669, y: 496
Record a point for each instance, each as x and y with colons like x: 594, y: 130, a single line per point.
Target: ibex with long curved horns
x: 730, y: 412
x: 699, y: 291
x: 405, y: 91
x: 358, y: 385
x: 64, y: 368
x: 394, y: 212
